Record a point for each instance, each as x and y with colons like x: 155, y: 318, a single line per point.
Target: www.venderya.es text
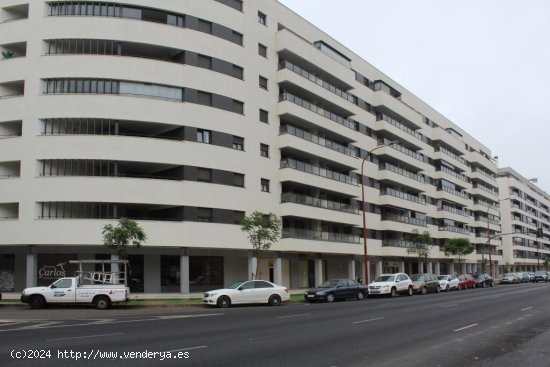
x: 95, y: 354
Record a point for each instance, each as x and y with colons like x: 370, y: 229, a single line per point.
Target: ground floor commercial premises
x: 187, y: 115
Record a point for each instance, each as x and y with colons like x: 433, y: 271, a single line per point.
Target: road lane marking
x: 82, y: 337
x: 527, y: 308
x: 170, y: 317
x: 298, y: 315
x: 369, y: 320
x: 466, y: 327
x: 451, y: 305
x: 183, y: 349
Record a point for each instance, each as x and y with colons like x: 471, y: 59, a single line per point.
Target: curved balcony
x: 309, y: 234
x: 318, y: 203
x: 317, y: 171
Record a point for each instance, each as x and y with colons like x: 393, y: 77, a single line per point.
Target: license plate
x: 310, y: 296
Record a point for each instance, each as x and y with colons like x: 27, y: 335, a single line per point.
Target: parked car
x: 483, y: 280
x: 336, y: 289
x: 424, y: 283
x: 541, y: 276
x: 531, y: 276
x: 510, y: 278
x: 250, y: 291
x: 466, y: 281
x: 523, y: 276
x: 391, y: 284
x: 448, y: 282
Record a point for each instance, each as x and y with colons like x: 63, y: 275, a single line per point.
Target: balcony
x: 455, y: 230
x: 450, y: 154
x: 317, y: 171
x: 483, y: 173
x: 450, y: 209
x: 397, y: 243
x: 402, y: 172
x: 452, y: 173
x: 399, y: 125
x: 318, y: 203
x: 404, y: 219
x: 461, y: 194
x: 309, y: 234
x: 403, y: 150
x: 302, y: 134
x: 402, y: 195
x: 347, y: 122
x: 486, y: 189
x: 307, y: 75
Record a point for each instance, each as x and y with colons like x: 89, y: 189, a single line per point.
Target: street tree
x: 421, y: 245
x: 125, y: 234
x: 263, y: 231
x: 459, y: 247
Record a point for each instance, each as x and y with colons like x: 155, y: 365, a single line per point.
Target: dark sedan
x: 336, y: 289
x: 541, y: 276
x: 483, y: 280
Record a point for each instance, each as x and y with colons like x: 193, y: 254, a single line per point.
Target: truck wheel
x: 37, y: 302
x: 102, y: 302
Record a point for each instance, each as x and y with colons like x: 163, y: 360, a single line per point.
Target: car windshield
x: 235, y: 285
x: 416, y: 277
x: 329, y: 284
x: 509, y: 275
x: 540, y: 273
x: 443, y: 277
x: 478, y: 276
x: 384, y: 278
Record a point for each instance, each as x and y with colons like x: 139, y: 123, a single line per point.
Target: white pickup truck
x: 99, y: 288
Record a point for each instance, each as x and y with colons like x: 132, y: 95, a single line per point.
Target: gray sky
x: 484, y: 64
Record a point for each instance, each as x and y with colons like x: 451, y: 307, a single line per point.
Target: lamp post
x: 366, y: 258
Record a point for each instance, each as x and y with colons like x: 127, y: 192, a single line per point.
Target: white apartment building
x: 187, y: 114
x: 525, y: 209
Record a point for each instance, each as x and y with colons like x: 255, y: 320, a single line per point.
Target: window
x: 237, y: 38
x: 204, y: 61
x: 262, y: 50
x: 204, y: 136
x: 205, y: 26
x: 238, y: 106
x: 264, y: 150
x: 262, y: 82
x: 237, y: 72
x: 237, y: 217
x: 204, y: 98
x: 265, y: 185
x: 262, y: 284
x: 262, y: 18
x: 264, y: 116
x: 238, y: 143
x: 204, y: 214
x: 204, y: 174
x: 238, y: 179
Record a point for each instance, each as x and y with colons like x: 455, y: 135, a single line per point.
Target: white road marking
x: 451, y: 305
x: 170, y: 317
x: 41, y: 326
x: 190, y: 348
x: 526, y: 308
x: 466, y: 327
x: 301, y: 314
x: 81, y: 337
x: 369, y: 320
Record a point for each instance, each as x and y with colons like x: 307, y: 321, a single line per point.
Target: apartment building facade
x: 525, y: 210
x: 186, y: 115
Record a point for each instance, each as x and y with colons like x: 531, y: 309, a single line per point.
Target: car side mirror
x: 53, y: 286
x: 397, y: 281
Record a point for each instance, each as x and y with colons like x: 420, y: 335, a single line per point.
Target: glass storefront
x: 7, y: 272
x: 170, y: 273
x: 205, y: 273
x: 51, y: 267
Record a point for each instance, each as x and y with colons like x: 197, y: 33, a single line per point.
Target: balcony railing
x: 396, y: 243
x: 317, y: 171
x: 454, y: 192
x: 487, y: 190
x: 404, y: 150
x: 450, y: 209
x: 318, y: 203
x: 450, y: 154
x: 454, y: 229
x: 303, y: 73
x: 402, y: 195
x: 453, y: 173
x: 483, y: 173
x: 349, y: 123
x: 404, y: 219
x: 403, y: 172
x: 302, y: 134
x: 309, y: 234
x: 491, y: 221
x: 399, y: 125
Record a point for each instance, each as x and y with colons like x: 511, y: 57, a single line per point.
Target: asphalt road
x: 467, y: 328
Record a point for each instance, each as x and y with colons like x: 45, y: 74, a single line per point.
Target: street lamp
x: 366, y: 259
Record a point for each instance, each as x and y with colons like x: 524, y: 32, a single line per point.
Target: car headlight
x: 385, y: 286
x: 320, y: 293
x: 23, y: 292
x: 212, y: 294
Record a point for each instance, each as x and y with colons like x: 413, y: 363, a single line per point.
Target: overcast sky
x: 484, y: 64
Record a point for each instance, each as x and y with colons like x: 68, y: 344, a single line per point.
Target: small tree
x: 126, y: 232
x: 458, y: 247
x: 421, y: 245
x: 263, y: 231
x: 546, y: 262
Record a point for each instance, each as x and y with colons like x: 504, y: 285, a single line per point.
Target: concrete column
x: 20, y: 272
x: 114, y: 267
x: 452, y: 268
x: 410, y: 269
x: 420, y: 267
x: 318, y: 272
x: 184, y: 272
x: 429, y: 269
x: 463, y: 270
x: 277, y: 269
x: 401, y: 266
x: 151, y: 274
x: 30, y: 279
x: 351, y: 268
x: 378, y: 267
x: 252, y: 263
x: 437, y: 268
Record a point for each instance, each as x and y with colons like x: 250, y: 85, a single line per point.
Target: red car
x: 466, y: 281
